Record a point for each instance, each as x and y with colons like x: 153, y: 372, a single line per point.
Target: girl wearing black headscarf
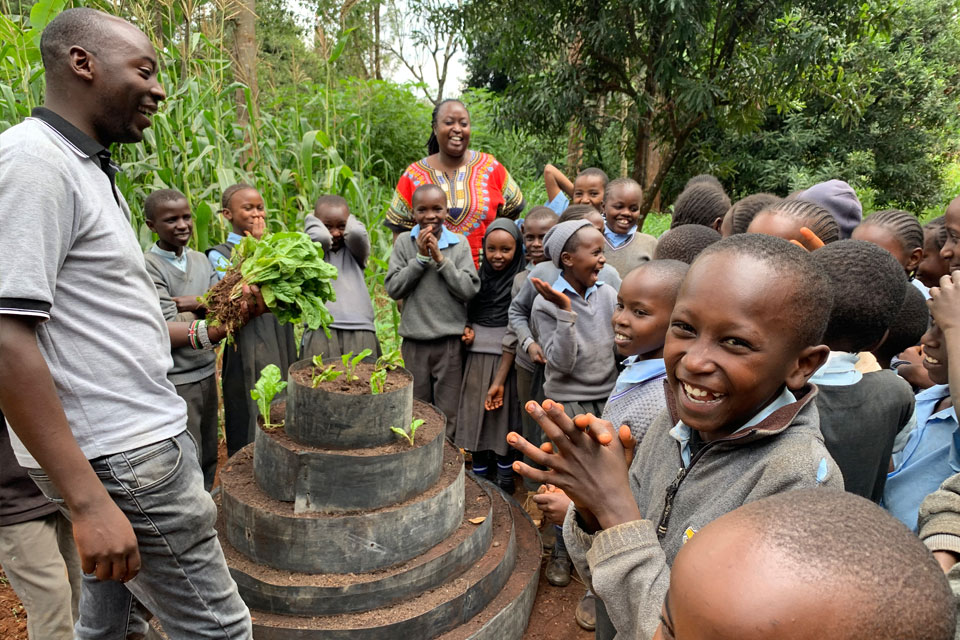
x: 489, y: 408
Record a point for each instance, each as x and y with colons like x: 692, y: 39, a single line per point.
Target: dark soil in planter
x: 477, y: 504
x: 395, y: 379
x: 433, y: 423
x: 237, y: 478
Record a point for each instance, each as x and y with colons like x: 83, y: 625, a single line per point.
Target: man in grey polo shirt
x: 84, y: 349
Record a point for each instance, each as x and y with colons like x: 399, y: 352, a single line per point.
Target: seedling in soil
x: 413, y: 431
x: 351, y: 361
x: 326, y: 373
x: 268, y: 386
x: 385, y: 363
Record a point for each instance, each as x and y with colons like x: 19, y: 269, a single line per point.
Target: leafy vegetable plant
x: 386, y: 362
x: 351, y: 361
x: 413, y: 430
x: 267, y: 387
x: 292, y: 276
x: 325, y: 373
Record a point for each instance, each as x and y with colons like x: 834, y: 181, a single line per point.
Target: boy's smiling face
x: 731, y: 345
x: 951, y: 248
x: 589, y: 190
x: 430, y: 210
x: 243, y: 210
x: 582, y: 266
x: 935, y: 353
x: 932, y: 266
x: 173, y: 224
x: 622, y: 208
x: 642, y: 315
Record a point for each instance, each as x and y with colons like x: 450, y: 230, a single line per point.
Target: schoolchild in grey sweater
x: 181, y: 275
x: 572, y: 317
x: 432, y: 277
x: 346, y: 246
x: 745, y: 330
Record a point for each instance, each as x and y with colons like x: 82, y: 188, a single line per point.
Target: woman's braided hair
x: 433, y: 146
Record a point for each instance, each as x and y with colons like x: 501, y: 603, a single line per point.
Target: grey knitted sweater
x: 628, y: 565
x: 939, y: 527
x: 637, y: 407
x: 434, y: 296
x: 189, y: 365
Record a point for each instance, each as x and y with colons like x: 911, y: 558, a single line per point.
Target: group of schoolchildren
x: 663, y: 395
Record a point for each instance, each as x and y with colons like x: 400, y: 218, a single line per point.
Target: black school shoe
x: 559, y: 567
x: 505, y: 480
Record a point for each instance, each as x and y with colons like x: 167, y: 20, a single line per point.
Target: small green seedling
x: 385, y: 363
x: 266, y: 388
x: 413, y: 430
x: 326, y: 373
x: 351, y: 361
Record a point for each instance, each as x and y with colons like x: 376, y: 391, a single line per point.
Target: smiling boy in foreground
x: 745, y: 331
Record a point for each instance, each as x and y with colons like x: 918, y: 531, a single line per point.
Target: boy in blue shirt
x: 587, y: 188
x: 930, y: 454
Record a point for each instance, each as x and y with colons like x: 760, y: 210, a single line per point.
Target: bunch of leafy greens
x: 267, y: 386
x: 291, y: 273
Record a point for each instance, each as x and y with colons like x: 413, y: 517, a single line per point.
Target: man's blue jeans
x: 183, y: 576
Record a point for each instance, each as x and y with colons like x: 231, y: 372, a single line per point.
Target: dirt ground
x: 551, y: 618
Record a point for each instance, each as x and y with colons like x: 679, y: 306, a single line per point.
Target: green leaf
x: 266, y: 388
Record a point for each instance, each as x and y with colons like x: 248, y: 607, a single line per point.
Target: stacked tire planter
x: 327, y: 536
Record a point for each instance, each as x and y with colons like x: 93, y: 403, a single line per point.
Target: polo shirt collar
x: 637, y: 372
x: 84, y: 144
x: 180, y: 262
x: 840, y: 370
x: 447, y: 238
x: 561, y: 284
x: 234, y: 238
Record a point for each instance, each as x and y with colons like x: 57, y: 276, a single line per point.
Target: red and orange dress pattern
x: 481, y: 191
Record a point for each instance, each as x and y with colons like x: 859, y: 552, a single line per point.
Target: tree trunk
x: 376, y: 41
x: 653, y: 168
x: 574, y: 148
x: 245, y: 70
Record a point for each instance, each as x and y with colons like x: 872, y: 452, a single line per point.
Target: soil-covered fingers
x: 529, y: 449
x: 252, y: 302
x: 810, y: 240
x: 600, y: 430
x: 556, y: 424
x: 554, y: 505
x: 531, y: 473
x: 628, y: 442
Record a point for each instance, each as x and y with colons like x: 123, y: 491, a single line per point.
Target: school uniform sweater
x: 578, y: 344
x: 352, y: 310
x: 625, y: 257
x: 434, y: 296
x: 628, y: 566
x: 189, y: 364
x: 638, y: 397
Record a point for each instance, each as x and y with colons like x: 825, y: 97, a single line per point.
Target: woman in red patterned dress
x: 479, y: 189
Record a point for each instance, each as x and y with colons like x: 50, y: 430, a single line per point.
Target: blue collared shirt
x: 637, y: 372
x: 840, y: 370
x: 559, y: 203
x: 561, y: 284
x: 929, y: 457
x: 922, y: 288
x: 446, y: 239
x: 618, y: 239
x: 179, y: 261
x: 219, y: 261
x: 682, y: 433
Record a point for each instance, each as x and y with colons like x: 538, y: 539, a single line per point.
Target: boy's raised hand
x: 258, y: 226
x: 592, y: 474
x: 944, y: 302
x: 550, y: 294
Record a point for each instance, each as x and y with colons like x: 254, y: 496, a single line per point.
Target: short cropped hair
x: 850, y: 547
x: 700, y: 203
x: 541, y: 213
x: 80, y: 27
x: 577, y: 212
x: 814, y: 217
x: 811, y: 295
x: 745, y: 210
x: 684, y: 243
x: 593, y: 172
x: 938, y: 230
x: 331, y: 200
x: 423, y: 190
x: 902, y: 224
x: 156, y: 198
x: 620, y: 182
x: 668, y: 273
x: 231, y: 191
x: 907, y: 328
x: 868, y: 290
